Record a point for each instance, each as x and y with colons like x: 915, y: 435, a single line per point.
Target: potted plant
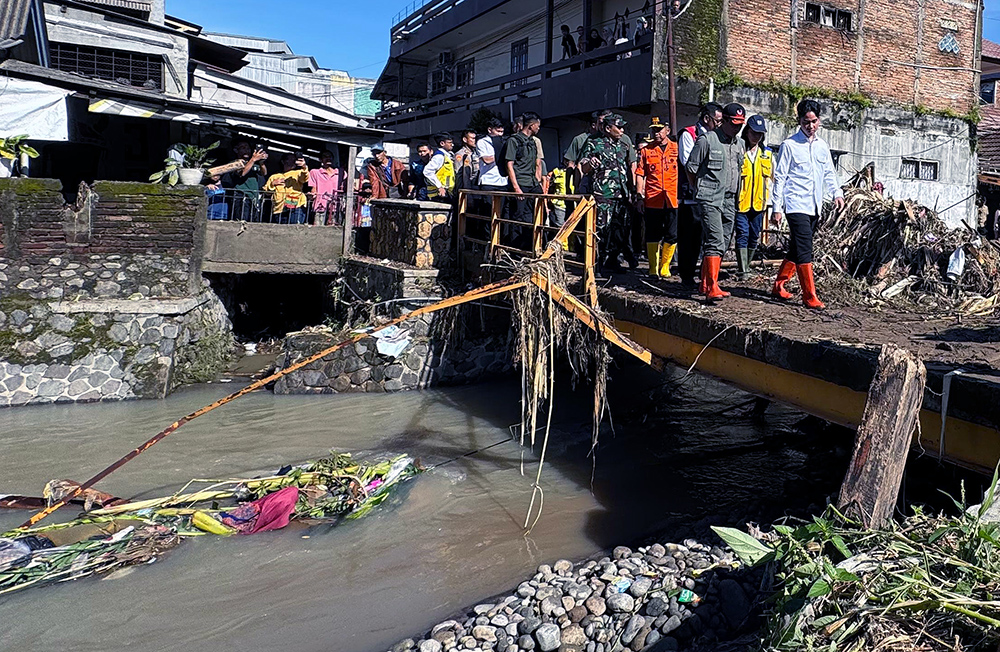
x: 15, y: 152
x: 186, y: 164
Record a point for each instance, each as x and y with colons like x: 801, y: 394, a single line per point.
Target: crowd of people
x: 295, y: 195
x: 693, y: 194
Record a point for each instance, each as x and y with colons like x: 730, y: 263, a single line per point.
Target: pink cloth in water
x: 272, y: 512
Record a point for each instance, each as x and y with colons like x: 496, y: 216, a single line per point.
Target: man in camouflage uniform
x: 605, y: 158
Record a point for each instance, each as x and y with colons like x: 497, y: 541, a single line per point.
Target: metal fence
x: 276, y: 207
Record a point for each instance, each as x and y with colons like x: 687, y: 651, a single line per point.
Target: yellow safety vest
x: 445, y: 174
x: 562, y: 184
x: 755, y: 181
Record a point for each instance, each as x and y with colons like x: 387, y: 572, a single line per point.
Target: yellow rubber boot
x: 666, y: 256
x: 653, y: 253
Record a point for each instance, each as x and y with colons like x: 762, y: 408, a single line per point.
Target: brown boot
x: 809, y: 287
x: 785, y: 274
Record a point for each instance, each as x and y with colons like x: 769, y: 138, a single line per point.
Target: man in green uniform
x: 605, y: 159
x: 714, y: 172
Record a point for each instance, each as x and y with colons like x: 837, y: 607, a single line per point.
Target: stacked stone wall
x: 440, y: 352
x: 118, y: 240
x: 103, y: 299
x: 412, y: 232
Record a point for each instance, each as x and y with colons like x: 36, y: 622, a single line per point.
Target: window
x: 132, y: 68
x: 439, y: 81
x: 988, y: 92
x: 829, y: 17
x: 465, y: 74
x: 921, y: 170
x: 518, y: 59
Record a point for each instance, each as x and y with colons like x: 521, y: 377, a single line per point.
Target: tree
x: 481, y: 118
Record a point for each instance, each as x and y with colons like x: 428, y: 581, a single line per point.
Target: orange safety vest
x: 659, y: 166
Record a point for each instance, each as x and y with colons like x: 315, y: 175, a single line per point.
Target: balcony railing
x: 418, y: 12
x: 526, y: 83
x: 270, y: 207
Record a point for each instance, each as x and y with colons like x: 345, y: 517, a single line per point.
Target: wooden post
x: 871, y: 488
x: 590, y: 254
x: 352, y: 154
x: 536, y: 231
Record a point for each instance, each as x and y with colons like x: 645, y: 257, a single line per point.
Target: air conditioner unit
x: 446, y: 58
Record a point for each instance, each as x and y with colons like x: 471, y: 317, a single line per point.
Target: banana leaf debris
x: 901, y: 252
x: 929, y: 583
x: 120, y: 534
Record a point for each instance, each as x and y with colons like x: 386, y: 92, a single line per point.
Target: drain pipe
x: 945, y: 392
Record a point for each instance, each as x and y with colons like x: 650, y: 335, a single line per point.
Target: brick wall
x: 759, y: 49
x: 119, y: 240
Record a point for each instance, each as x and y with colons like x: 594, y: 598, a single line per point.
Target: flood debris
x: 879, y: 250
x: 100, y: 541
x: 927, y: 583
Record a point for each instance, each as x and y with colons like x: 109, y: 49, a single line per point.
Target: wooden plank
x: 580, y: 310
x: 871, y: 487
x: 590, y: 254
x: 536, y: 229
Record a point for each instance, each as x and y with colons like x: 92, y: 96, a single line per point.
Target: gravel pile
x: 660, y: 597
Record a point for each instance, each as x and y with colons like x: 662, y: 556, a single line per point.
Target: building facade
x: 899, y: 78
x: 272, y: 63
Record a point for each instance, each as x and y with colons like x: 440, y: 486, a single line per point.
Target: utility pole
x: 670, y: 68
x: 549, y: 27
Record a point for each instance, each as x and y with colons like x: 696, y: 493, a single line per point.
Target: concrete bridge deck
x: 823, y: 362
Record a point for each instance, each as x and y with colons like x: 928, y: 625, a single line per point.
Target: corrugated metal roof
x: 14, y: 18
x: 989, y: 152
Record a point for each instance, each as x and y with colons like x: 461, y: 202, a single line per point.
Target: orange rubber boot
x: 710, y: 278
x: 809, y: 287
x: 785, y: 274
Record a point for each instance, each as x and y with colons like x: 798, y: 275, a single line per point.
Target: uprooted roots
x: 544, y: 330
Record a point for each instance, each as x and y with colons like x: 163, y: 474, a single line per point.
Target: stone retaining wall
x: 417, y: 233
x: 118, y: 240
x: 103, y: 299
x: 431, y: 358
x: 108, y: 350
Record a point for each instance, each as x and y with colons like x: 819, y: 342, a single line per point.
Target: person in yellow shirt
x: 288, y: 203
x: 560, y: 183
x: 755, y: 194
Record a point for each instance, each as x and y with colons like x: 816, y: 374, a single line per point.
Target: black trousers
x: 688, y: 242
x: 615, y: 237
x: 800, y: 242
x: 661, y: 225
x: 522, y: 210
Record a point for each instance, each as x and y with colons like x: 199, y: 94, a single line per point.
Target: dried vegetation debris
x: 879, y: 251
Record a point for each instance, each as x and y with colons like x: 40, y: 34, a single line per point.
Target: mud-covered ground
x: 972, y: 342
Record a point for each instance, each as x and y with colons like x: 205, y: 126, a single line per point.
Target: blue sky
x: 345, y: 34
x: 340, y: 34
x: 991, y: 21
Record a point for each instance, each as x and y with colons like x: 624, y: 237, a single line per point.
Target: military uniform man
x: 714, y: 171
x: 605, y: 159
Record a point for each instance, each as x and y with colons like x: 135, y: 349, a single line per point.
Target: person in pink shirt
x: 327, y: 183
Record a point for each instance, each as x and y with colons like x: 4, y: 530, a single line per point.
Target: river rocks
x: 429, y: 645
x: 620, y: 602
x: 548, y: 637
x: 628, y: 600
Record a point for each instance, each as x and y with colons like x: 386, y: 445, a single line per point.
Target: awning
x: 33, y: 108
x: 139, y: 110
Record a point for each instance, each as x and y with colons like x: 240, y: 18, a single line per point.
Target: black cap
x: 735, y: 112
x: 757, y: 123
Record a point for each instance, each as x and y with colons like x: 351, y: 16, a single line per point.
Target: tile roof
x: 991, y: 50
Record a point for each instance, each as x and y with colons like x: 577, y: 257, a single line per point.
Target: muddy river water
x: 453, y: 536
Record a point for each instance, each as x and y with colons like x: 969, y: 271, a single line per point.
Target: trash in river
x: 392, y: 341
x: 687, y: 596
x: 127, y: 534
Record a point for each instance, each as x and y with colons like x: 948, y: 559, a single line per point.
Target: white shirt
x: 430, y: 170
x: 685, y: 147
x: 489, y: 173
x: 804, y: 175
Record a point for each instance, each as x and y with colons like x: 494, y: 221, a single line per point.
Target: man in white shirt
x: 688, y: 222
x: 803, y: 175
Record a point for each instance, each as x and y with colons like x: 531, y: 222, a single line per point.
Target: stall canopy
x: 33, y: 108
